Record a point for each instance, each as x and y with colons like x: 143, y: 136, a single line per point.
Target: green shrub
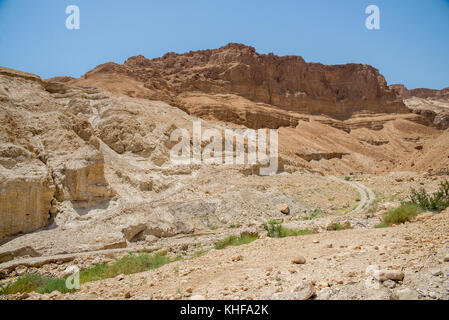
x: 235, y: 241
x: 438, y: 201
x: 405, y: 212
x: 275, y: 229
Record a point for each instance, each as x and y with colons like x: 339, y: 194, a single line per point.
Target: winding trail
x: 367, y: 196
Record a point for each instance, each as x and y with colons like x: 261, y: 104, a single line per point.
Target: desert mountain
x: 85, y: 163
x: 288, y: 83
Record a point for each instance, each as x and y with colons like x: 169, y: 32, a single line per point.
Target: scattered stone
x: 197, y: 297
x: 128, y: 295
x: 237, y: 258
x: 446, y: 258
x: 299, y: 260
x: 389, y: 284
x: 284, y: 208
x: 406, y: 294
x: 384, y: 275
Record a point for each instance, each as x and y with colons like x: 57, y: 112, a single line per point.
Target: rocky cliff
x: 47, y: 155
x: 287, y: 82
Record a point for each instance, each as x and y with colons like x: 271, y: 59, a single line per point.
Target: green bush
x: 275, y: 229
x: 235, y: 241
x: 405, y: 212
x: 438, y: 201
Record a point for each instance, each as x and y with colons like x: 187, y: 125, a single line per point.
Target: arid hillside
x: 86, y: 174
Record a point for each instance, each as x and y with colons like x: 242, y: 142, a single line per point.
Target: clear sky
x: 412, y: 46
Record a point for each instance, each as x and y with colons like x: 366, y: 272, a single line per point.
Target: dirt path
x: 367, y: 196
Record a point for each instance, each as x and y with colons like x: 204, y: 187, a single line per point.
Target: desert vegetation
x: 418, y: 202
x: 130, y: 264
x: 275, y: 229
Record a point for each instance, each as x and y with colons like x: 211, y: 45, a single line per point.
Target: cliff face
x: 286, y: 82
x: 47, y: 155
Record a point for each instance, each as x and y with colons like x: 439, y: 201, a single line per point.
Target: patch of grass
x: 347, y: 178
x: 357, y: 200
x: 213, y: 227
x: 275, y: 229
x: 25, y: 284
x: 331, y: 199
x: 339, y: 227
x: 235, y: 241
x: 55, y: 284
x: 235, y: 225
x: 132, y: 263
x: 381, y: 225
x: 405, y: 212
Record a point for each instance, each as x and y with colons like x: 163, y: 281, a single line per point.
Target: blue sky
x: 412, y: 46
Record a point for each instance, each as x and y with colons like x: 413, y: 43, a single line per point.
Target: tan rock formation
x: 288, y: 83
x: 45, y: 151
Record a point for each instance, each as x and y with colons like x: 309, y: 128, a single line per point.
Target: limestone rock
x: 133, y: 231
x: 299, y: 260
x: 383, y: 275
x: 45, y: 151
x: 284, y: 208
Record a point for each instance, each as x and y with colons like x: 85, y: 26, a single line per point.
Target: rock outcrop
x: 428, y: 103
x: 45, y: 152
x: 288, y: 83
